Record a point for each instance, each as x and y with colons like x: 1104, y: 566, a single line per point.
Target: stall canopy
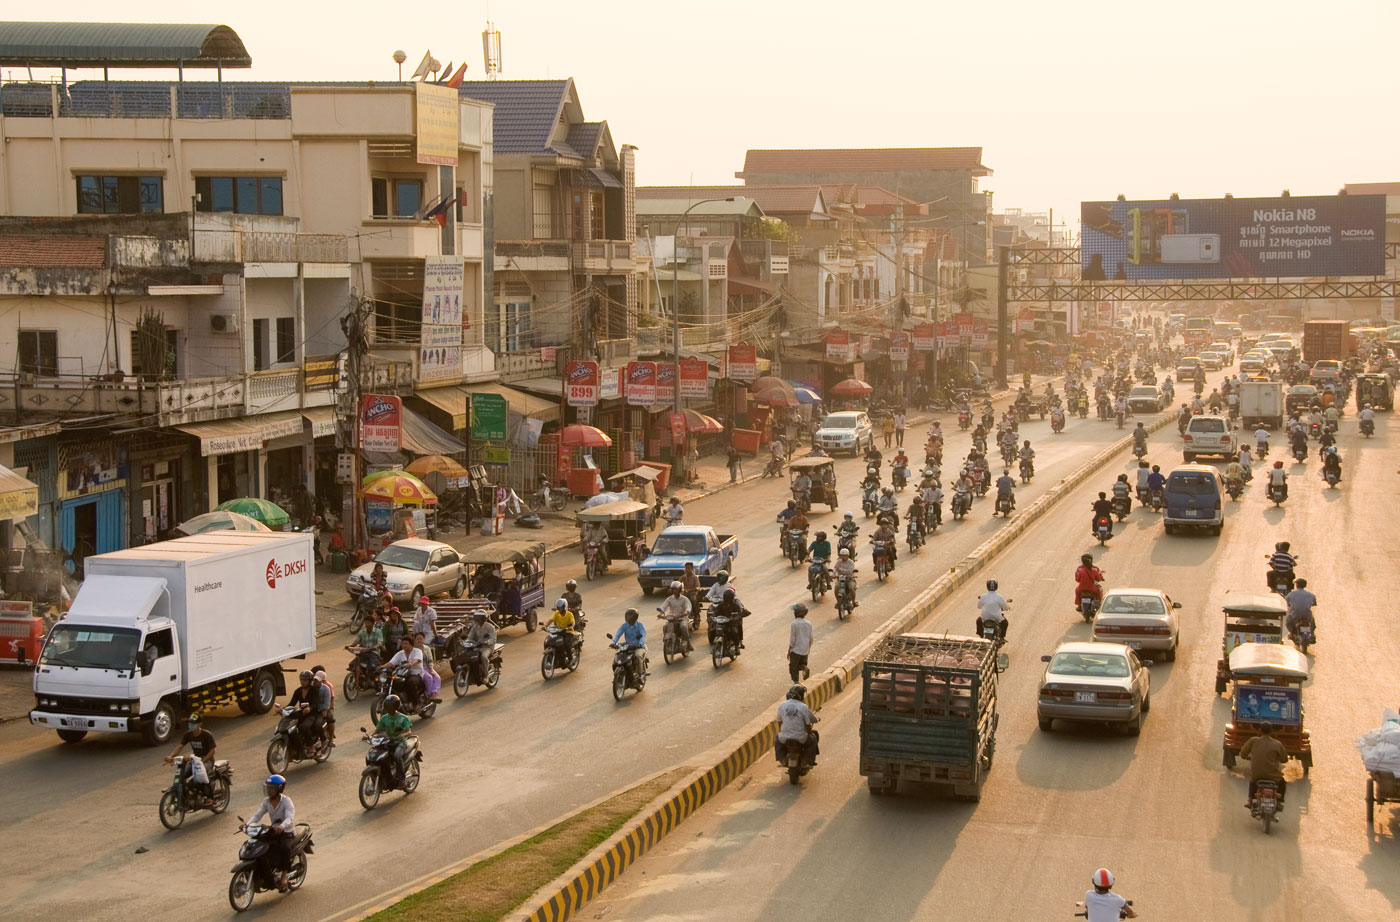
x: 19, y: 497
x: 528, y: 404
x: 322, y: 420
x: 456, y: 401
x: 418, y: 436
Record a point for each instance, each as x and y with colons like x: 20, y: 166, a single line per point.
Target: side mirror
x: 609, y: 636
x: 363, y: 730
x: 434, y: 568
x: 1176, y: 605
x: 1045, y: 658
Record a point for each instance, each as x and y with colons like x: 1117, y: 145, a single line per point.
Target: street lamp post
x: 679, y: 459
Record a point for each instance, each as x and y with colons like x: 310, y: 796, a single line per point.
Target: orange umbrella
x: 851, y: 387
x: 581, y: 436
x: 398, y: 487
x: 700, y: 423
x: 441, y: 464
x: 775, y: 392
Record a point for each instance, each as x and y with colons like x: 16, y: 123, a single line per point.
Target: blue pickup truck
x: 682, y: 544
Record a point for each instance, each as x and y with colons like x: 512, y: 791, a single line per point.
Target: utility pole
x: 897, y: 304
x: 679, y: 460
x: 1003, y: 260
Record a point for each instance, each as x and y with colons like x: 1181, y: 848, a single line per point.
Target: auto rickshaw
x: 1268, y: 681
x: 496, y: 573
x: 640, y: 484
x: 822, y: 472
x: 1250, y: 617
x: 1375, y: 390
x: 626, y: 523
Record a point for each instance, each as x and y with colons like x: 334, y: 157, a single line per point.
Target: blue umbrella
x: 805, y: 394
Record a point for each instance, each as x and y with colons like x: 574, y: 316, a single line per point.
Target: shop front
x: 92, y: 494
x: 161, y: 488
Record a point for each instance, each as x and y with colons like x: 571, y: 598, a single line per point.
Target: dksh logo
x: 379, y: 409
x: 276, y: 571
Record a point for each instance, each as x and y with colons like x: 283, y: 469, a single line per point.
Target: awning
x: 19, y: 497
x: 451, y: 400
x: 322, y: 420
x: 420, y: 437
x: 740, y: 285
x: 279, y: 425
x: 248, y: 433
x: 526, y: 404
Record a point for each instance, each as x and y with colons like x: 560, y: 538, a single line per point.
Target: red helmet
x: 1278, y: 464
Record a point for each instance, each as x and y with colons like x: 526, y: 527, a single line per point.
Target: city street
x: 1159, y: 810
x: 497, y: 763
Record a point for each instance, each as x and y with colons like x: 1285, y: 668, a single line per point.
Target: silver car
x: 1144, y: 619
x: 1094, y: 683
x: 414, y: 567
x: 848, y: 430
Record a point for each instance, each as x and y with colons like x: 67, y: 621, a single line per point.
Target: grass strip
x: 494, y: 887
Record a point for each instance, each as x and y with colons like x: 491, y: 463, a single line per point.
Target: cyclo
x: 1250, y: 617
x: 1268, y: 680
x: 822, y: 473
x: 626, y: 522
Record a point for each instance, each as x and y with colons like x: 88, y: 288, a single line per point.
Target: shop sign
x: 695, y: 378
x: 581, y: 384
x: 743, y: 362
x: 380, y: 418
x: 641, y: 383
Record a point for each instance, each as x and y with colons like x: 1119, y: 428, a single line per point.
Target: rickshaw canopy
x: 809, y: 464
x: 1268, y: 659
x: 648, y: 474
x: 1245, y: 602
x: 505, y: 552
x: 608, y: 512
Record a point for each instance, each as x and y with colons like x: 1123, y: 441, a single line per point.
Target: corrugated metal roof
x: 54, y: 252
x: 526, y: 112
x: 674, y: 206
x: 865, y: 160
x: 120, y: 44
x: 774, y: 200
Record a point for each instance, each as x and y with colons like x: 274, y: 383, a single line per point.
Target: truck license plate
x: 75, y: 722
x: 1085, y: 698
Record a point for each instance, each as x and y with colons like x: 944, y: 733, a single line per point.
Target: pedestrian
x: 899, y: 422
x: 733, y: 464
x: 887, y: 429
x: 799, y: 643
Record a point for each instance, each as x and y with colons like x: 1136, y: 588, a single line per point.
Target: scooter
x: 467, y: 672
x: 1157, y: 499
x: 672, y: 647
x: 1332, y: 477
x: 1368, y: 427
x: 184, y: 797
x: 1122, y: 506
x: 382, y: 772
x: 818, y: 578
x: 593, y: 563
x: 792, y: 760
x: 964, y: 419
x: 1303, y: 636
x: 389, y: 682
x: 1265, y: 804
x: 880, y: 560
x: 288, y: 747
x: 723, y: 644
x: 991, y: 633
x: 1103, y: 529
x: 625, y: 672
x: 358, y: 679
x: 1278, y: 492
x: 774, y: 468
x: 1278, y: 581
x: 1027, y: 470
x: 914, y: 535
x: 1300, y: 454
x: 369, y: 597
x: 845, y: 596
x: 899, y: 477
x: 253, y: 873
x: 796, y: 546
x: 962, y: 504
x: 848, y: 541
x: 1234, y: 487
x: 869, y: 501
x: 1088, y: 605
x: 1139, y: 451
x: 1004, y: 505
x: 561, y: 650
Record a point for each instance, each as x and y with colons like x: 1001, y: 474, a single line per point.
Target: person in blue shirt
x: 1156, y: 480
x: 1300, y: 608
x: 634, y: 634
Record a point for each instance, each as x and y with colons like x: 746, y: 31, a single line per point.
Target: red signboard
x: 925, y: 337
x: 899, y: 347
x: 743, y: 363
x: 677, y: 429
x: 641, y: 383
x: 695, y: 377
x: 380, y: 417
x: 838, y: 346
x: 946, y: 334
x: 979, y: 332
x: 581, y: 384
x: 1025, y: 321
x: 665, y: 384
x: 963, y: 324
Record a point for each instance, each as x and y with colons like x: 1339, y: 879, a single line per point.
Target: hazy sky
x: 1080, y: 99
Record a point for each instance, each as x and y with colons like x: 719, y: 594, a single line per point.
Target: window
x: 286, y: 339
x: 396, y: 198
x: 518, y: 326
x: 171, y: 365
x: 259, y: 344
x: 239, y: 194
x: 38, y: 352
x: 120, y: 195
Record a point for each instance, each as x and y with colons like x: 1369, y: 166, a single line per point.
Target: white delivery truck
x: 1261, y: 404
x: 164, y: 629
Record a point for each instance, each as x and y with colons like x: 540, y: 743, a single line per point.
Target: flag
x: 455, y: 81
x: 439, y: 211
x: 422, y: 69
x: 445, y: 71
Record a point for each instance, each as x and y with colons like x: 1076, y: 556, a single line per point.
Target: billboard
x: 743, y: 362
x: 1295, y: 237
x: 379, y: 422
x: 838, y: 346
x: 581, y: 384
x: 695, y: 378
x: 437, y: 116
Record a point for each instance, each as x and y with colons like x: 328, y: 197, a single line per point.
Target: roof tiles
x: 54, y: 252
x: 774, y: 200
x: 526, y: 111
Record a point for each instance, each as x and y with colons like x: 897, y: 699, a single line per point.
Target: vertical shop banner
x: 1025, y: 321
x: 488, y: 418
x: 641, y: 383
x: 581, y: 384
x: 444, y: 279
x: 963, y: 324
x: 979, y: 332
x: 743, y: 363
x: 925, y: 337
x: 899, y: 347
x: 610, y: 384
x: 380, y: 418
x: 695, y: 378
x: 665, y: 384
x: 838, y: 346
x: 677, y: 429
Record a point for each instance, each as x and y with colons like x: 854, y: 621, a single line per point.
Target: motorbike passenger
x: 201, y: 743
x: 1122, y: 492
x: 1144, y: 472
x: 846, y: 569
x: 795, y: 724
x: 634, y: 634
x: 917, y: 512
x: 394, y: 629
x: 378, y: 578
x: 1278, y: 478
x: 575, y: 600
x: 799, y: 643
x: 1101, y: 904
x: 397, y: 727
x: 280, y: 813
x: 722, y: 583
x: 1006, y: 489
x: 411, y: 658
x: 888, y: 505
x: 368, y: 646
x: 1267, y: 757
x: 1298, y: 438
x: 1246, y: 459
x: 312, y: 702
x: 483, y: 634
x: 1332, y: 463
x: 1183, y: 418
x: 1300, y: 608
x: 1103, y: 510
x: 1087, y: 578
x: 992, y: 607
x: 675, y: 608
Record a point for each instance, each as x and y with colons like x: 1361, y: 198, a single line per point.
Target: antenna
x: 491, y: 50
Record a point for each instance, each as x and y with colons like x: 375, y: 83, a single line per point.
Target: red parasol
x: 851, y: 387
x: 700, y: 423
x: 775, y: 392
x: 579, y: 435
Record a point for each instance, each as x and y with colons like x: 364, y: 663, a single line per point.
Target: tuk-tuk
x: 822, y: 472
x: 495, y: 573
x: 626, y: 521
x: 1250, y: 617
x: 1375, y: 390
x: 640, y: 484
x: 1268, y: 681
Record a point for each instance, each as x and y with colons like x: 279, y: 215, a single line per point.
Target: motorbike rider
x: 1027, y: 455
x: 1156, y: 480
x: 799, y: 643
x: 1298, y: 438
x: 397, y: 727
x: 411, y: 658
x: 1006, y: 489
x: 722, y: 583
x: 575, y: 600
x: 1103, y: 509
x: 728, y: 607
x: 368, y: 646
x: 992, y: 607
x: 483, y: 634
x: 1215, y: 400
x: 900, y: 465
x: 917, y: 512
x: 1300, y: 608
x: 312, y: 701
x: 795, y: 724
x: 280, y: 814
x: 888, y: 505
x: 634, y: 634
x: 1332, y: 463
x: 846, y: 568
x: 674, y: 513
x: 1086, y: 580
x: 1325, y: 440
x: 1101, y: 904
x: 565, y: 620
x: 802, y: 489
x: 1122, y: 492
x: 1367, y: 415
x: 1183, y: 418
x: 1140, y: 436
x: 932, y: 495
x: 819, y: 549
x: 1281, y: 562
x: 675, y: 608
x: 791, y: 519
x: 884, y: 534
x: 963, y: 488
x: 596, y: 533
x: 1266, y: 757
x: 1278, y: 478
x: 1144, y: 471
x: 201, y: 743
x: 848, y: 529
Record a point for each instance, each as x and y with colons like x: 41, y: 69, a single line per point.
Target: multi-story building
x: 176, y: 262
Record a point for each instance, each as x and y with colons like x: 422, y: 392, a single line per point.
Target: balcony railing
x: 233, y: 246
x: 148, y: 99
x: 603, y: 256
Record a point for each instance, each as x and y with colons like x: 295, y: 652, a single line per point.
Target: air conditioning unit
x: 223, y: 323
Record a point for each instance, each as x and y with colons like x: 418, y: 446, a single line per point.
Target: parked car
x: 415, y: 566
x: 1193, y: 499
x: 848, y: 430
x: 1208, y: 435
x: 1094, y: 683
x: 1146, y: 398
x: 1144, y: 619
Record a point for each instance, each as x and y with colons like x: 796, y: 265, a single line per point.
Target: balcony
x: 398, y: 238
x: 232, y: 246
x: 532, y: 255
x: 604, y: 257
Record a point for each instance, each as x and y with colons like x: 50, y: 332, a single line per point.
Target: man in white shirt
x: 1101, y: 904
x: 410, y: 657
x: 675, y: 608
x: 799, y: 643
x: 991, y: 606
x: 280, y: 814
x: 795, y: 722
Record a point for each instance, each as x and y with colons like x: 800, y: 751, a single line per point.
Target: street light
x: 679, y: 460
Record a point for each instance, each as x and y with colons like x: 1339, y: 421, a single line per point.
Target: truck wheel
x: 161, y: 726
x: 263, y: 696
x: 72, y: 736
x: 532, y: 621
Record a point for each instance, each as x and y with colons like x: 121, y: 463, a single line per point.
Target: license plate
x: 1085, y: 698
x: 1192, y: 513
x: 75, y: 722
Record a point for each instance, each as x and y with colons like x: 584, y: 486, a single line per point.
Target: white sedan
x: 1144, y: 619
x: 1094, y: 683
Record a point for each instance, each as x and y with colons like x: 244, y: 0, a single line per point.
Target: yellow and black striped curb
x: 563, y: 898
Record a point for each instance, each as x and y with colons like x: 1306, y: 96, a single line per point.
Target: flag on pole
x: 439, y: 211
x: 455, y: 81
x: 423, y: 66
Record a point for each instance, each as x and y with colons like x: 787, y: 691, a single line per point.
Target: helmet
x: 991, y: 585
x: 729, y: 595
x: 797, y: 693
x: 306, y: 675
x: 1102, y: 879
x: 821, y: 536
x: 630, y: 613
x: 1087, y: 559
x: 928, y: 472
x: 849, y: 516
x: 675, y: 584
x: 571, y: 585
x: 560, y: 605
x: 479, y: 613
x: 1122, y: 478
x: 844, y: 552
x: 195, y: 718
x: 798, y: 609
x: 888, y: 491
x: 1278, y: 464
x: 275, y: 784
x: 392, y: 703
x: 723, y: 575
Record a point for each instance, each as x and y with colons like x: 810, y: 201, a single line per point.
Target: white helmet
x: 1102, y: 879
x: 844, y: 552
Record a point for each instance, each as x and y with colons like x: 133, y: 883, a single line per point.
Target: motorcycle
x: 1004, y: 505
x: 880, y: 559
x: 774, y: 468
x: 1103, y: 529
x: 382, y: 772
x: 982, y: 480
x: 1278, y: 580
x: 964, y: 419
x: 899, y: 478
x: 1300, y: 453
x: 1303, y: 636
x: 287, y: 745
x: 1121, y: 507
x: 1027, y: 470
x: 796, y: 546
x: 1083, y: 406
x: 1057, y: 423
x: 1331, y: 476
x: 1234, y: 487
x: 1088, y: 605
x: 869, y: 501
x: 845, y: 596
x: 389, y: 683
x: 991, y: 633
x: 625, y: 672
x: 1314, y: 431
x: 792, y: 760
x: 358, y: 679
x: 1158, y: 499
x: 672, y: 647
x: 1368, y: 427
x: 723, y: 643
x: 1008, y: 452
x: 1121, y: 416
x: 184, y: 797
x: 962, y: 504
x: 369, y: 598
x: 1265, y: 804
x: 818, y: 579
x: 561, y: 650
x: 848, y: 541
x: 1139, y: 451
x: 253, y: 873
x: 547, y: 497
x: 466, y: 671
x: 914, y: 535
x: 1277, y: 493
x: 593, y: 564
x: 1085, y: 913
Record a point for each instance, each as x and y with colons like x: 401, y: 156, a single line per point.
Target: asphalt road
x: 497, y: 763
x: 1159, y: 810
